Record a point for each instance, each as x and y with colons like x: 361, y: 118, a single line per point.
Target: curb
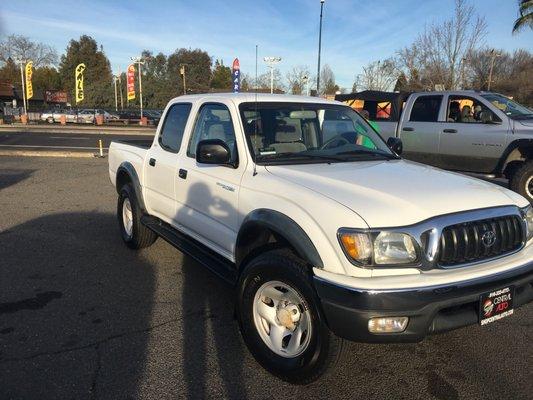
x: 78, y: 129
x: 49, y: 153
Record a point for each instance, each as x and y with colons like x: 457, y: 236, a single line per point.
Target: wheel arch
x: 517, y: 151
x: 126, y: 174
x: 265, y: 229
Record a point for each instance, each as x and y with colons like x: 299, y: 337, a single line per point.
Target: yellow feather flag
x: 79, y: 82
x: 29, y: 86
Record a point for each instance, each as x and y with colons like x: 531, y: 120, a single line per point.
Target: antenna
x: 255, y: 125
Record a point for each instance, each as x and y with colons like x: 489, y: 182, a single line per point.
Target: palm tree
x: 526, y: 16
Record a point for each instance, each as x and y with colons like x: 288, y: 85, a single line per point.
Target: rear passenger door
x: 161, y: 164
x: 420, y: 129
x: 208, y: 194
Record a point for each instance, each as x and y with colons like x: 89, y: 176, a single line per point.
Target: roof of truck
x: 251, y: 97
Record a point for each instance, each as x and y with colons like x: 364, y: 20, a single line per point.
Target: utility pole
x: 271, y: 61
x: 305, y: 78
x: 140, y: 61
x: 319, y: 49
x: 182, y: 72
x: 120, y: 86
x: 493, y: 55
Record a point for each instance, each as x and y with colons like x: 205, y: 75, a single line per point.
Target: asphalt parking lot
x: 83, y: 317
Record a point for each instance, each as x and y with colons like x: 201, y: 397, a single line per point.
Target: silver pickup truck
x: 470, y: 131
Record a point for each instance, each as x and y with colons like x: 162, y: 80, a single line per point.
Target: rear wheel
x: 134, y: 234
x: 522, y: 180
x: 281, y: 321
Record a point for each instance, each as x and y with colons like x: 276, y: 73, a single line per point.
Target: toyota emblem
x: 488, y: 238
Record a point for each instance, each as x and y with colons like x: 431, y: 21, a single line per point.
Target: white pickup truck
x: 326, y: 240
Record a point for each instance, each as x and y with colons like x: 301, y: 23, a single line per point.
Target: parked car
x: 48, y: 116
x: 325, y: 231
x: 471, y: 131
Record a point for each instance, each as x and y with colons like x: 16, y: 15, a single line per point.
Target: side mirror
x: 395, y: 144
x: 213, y: 151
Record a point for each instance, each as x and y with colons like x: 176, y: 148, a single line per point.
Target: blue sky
x: 355, y: 32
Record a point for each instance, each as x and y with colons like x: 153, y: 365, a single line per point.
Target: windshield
x: 309, y: 132
x: 508, y: 106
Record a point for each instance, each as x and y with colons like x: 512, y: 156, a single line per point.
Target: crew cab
x: 325, y: 231
x: 477, y: 132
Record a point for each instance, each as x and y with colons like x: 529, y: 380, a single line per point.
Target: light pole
x: 305, y: 79
x: 140, y: 61
x: 22, y: 62
x: 319, y: 49
x: 271, y: 61
x: 182, y: 72
x: 120, y: 91
x: 493, y: 55
x: 115, y: 78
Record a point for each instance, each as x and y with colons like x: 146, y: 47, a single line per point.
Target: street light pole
x: 319, y: 49
x: 116, y: 97
x: 271, y: 61
x: 182, y: 72
x: 493, y: 56
x: 139, y: 61
x: 120, y: 86
x: 22, y: 62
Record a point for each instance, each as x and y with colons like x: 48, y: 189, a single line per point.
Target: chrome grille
x: 479, y: 240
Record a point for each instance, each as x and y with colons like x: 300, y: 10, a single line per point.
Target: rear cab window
x: 426, y: 108
x: 171, y: 134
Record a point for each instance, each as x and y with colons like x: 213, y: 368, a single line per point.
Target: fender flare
x: 282, y: 226
x: 128, y: 169
x: 515, y: 144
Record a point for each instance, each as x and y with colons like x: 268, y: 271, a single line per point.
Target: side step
x: 219, y: 265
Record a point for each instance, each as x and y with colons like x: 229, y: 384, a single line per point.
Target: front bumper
x: 430, y: 310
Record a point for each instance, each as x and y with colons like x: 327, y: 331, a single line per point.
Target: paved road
x: 60, y: 141
x: 83, y: 317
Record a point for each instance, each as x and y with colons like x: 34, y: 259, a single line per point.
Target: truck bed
x: 132, y: 151
x: 142, y: 143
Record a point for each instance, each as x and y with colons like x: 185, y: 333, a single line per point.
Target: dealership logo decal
x: 489, y: 238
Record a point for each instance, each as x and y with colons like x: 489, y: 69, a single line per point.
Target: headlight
x: 528, y: 216
x: 394, y: 248
x: 378, y: 248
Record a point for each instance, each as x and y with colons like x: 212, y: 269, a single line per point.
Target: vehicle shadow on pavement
x: 75, y: 306
x: 9, y: 177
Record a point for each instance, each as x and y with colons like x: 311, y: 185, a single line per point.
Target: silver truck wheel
x: 282, y: 319
x: 127, y: 217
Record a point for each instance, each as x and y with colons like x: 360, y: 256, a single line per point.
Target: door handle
x: 182, y: 173
x: 152, y: 162
x: 408, y: 129
x: 449, y: 130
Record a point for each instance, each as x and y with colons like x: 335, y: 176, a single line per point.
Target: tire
x: 320, y: 348
x: 522, y: 180
x: 136, y: 236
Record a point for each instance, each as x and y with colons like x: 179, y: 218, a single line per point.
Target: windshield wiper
x: 289, y: 155
x: 369, y: 152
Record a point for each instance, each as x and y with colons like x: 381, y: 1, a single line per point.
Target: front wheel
x: 281, y: 321
x: 134, y: 234
x: 522, y: 180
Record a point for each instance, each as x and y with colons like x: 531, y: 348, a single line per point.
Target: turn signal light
x: 387, y: 324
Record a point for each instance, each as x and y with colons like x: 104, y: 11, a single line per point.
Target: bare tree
x: 22, y: 48
x: 299, y: 78
x: 439, y: 53
x: 378, y: 75
x: 327, y: 79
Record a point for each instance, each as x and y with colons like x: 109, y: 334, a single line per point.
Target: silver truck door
x: 472, y: 136
x: 161, y: 163
x: 419, y: 129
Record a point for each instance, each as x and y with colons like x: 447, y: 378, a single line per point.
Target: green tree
x: 525, y: 10
x: 197, y: 70
x: 221, y: 78
x: 98, y: 78
x: 45, y: 78
x: 10, y: 72
x: 156, y: 90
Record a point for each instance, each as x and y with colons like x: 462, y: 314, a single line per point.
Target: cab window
x: 213, y: 122
x: 426, y: 109
x: 173, y: 127
x: 467, y: 110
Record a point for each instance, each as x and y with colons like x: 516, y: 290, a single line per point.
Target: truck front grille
x: 479, y: 240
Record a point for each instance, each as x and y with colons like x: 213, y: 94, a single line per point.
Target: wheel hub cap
x: 282, y: 319
x: 127, y: 217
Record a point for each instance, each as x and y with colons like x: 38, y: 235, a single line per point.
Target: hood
x: 526, y: 123
x: 395, y: 193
